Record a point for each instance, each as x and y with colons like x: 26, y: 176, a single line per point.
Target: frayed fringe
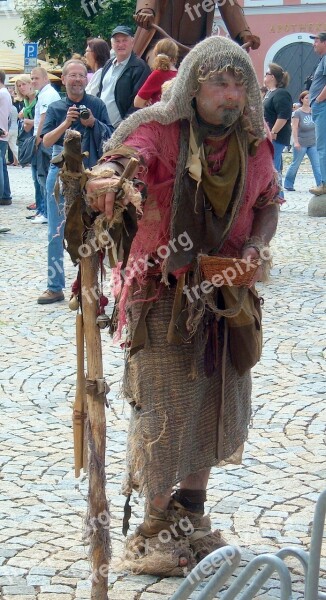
x: 155, y: 557
x: 208, y: 543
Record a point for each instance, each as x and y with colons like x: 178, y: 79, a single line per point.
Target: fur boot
x: 159, y: 546
x: 203, y: 540
x: 160, y: 555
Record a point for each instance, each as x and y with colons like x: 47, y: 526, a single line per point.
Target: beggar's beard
x: 230, y: 116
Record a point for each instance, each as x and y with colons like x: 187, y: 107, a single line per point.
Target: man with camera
x: 88, y: 115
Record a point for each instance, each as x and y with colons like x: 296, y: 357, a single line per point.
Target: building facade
x: 11, y: 40
x: 284, y: 27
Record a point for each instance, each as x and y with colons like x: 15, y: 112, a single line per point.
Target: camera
x: 83, y: 111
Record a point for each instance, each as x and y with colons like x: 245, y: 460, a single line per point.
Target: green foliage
x: 62, y: 27
x: 9, y: 43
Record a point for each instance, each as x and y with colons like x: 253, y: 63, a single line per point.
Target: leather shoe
x: 319, y: 190
x: 289, y: 189
x: 39, y: 219
x: 49, y: 297
x: 5, y: 201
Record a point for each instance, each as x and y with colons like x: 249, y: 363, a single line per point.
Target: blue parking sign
x: 31, y: 50
x: 30, y: 56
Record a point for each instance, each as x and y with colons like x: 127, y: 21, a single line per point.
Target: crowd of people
x: 209, y: 170
x: 126, y: 84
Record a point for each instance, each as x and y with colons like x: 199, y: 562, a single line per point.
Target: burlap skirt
x: 179, y: 424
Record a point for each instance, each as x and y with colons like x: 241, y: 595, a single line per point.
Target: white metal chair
x: 223, y: 562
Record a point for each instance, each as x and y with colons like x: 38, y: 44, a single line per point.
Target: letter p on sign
x: 31, y: 50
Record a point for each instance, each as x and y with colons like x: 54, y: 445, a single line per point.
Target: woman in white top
x: 96, y: 54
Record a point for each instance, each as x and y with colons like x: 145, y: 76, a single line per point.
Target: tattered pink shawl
x: 159, y: 147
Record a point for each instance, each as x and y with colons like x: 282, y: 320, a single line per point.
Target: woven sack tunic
x: 180, y: 423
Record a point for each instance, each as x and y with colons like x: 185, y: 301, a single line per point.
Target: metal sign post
x: 30, y: 56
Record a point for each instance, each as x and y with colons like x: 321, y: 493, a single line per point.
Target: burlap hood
x: 214, y: 53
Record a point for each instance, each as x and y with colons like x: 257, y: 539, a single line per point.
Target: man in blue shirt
x: 95, y: 128
x: 317, y: 95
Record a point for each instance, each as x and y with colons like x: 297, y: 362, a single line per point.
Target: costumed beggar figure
x: 188, y: 23
x: 191, y: 342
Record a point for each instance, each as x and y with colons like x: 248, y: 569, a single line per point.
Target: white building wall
x: 10, y: 21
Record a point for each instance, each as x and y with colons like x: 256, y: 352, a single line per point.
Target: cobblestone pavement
x: 263, y: 505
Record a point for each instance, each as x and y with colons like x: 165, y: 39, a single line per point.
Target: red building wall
x: 280, y: 24
x: 285, y: 28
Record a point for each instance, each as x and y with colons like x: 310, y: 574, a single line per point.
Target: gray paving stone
x: 38, y: 580
x: 19, y: 597
x: 55, y: 589
x: 42, y: 571
x: 8, y: 571
x: 10, y: 580
x: 54, y: 596
x: 6, y: 553
x: 262, y: 505
x: 21, y: 590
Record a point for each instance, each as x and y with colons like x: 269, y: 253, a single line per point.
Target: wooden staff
x: 96, y: 398
x: 80, y: 404
x: 97, y: 520
x: 98, y: 516
x: 169, y: 37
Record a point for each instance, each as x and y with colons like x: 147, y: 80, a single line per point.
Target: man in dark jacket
x: 122, y: 76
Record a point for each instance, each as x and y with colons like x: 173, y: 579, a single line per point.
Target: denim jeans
x: 298, y: 155
x: 318, y: 110
x: 39, y: 200
x: 278, y: 162
x: 56, y: 224
x: 5, y: 192
x: 41, y: 168
x: 43, y: 187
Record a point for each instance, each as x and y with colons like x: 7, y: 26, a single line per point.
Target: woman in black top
x: 277, y: 111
